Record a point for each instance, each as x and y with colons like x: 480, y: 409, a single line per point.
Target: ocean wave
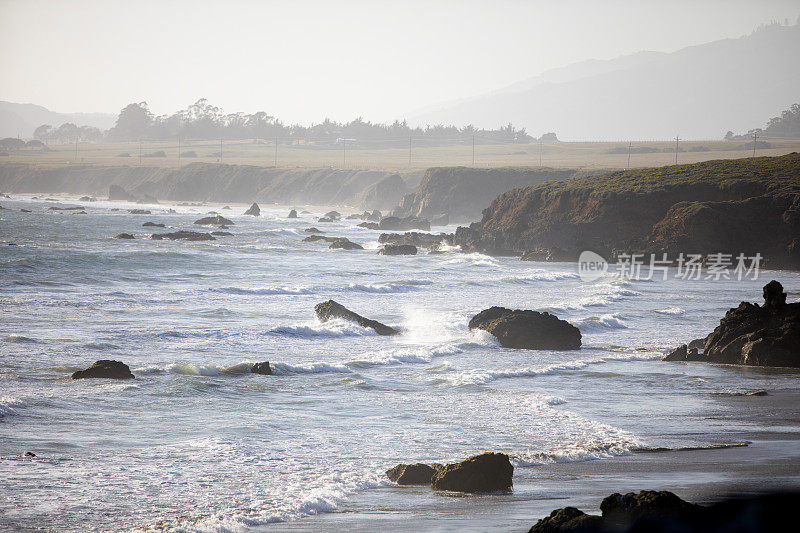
x: 264, y: 291
x: 332, y: 329
x: 673, y: 311
x: 191, y: 369
x: 9, y: 406
x: 18, y: 338
x: 538, y: 274
x: 591, y: 453
x: 601, y: 323
x: 473, y: 259
x: 314, y: 367
x: 387, y: 287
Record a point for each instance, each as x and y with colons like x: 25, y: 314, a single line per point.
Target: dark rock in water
x: 226, y: 207
x: 333, y: 215
x: 315, y: 238
x: 354, y: 216
x: 73, y: 208
x: 292, y: 214
x: 105, y: 369
x: 262, y: 368
x: 415, y: 239
x: 124, y: 236
x: 754, y: 335
x: 370, y: 225
x: 567, y: 519
x: 139, y: 211
x: 330, y: 309
x: 488, y: 472
x: 87, y: 199
x: 527, y: 329
x: 25, y: 210
x: 313, y: 230
x: 404, y: 224
x: 115, y: 192
x: 344, y: 244
x: 416, y: 474
x: 153, y: 225
x: 79, y: 213
x: 183, y: 236
x: 254, y: 210
x: 326, y: 219
x: 29, y: 454
x: 217, y: 220
x: 400, y: 249
x: 222, y: 233
x: 664, y: 512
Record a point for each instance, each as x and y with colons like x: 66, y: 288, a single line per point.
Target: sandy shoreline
x: 770, y: 461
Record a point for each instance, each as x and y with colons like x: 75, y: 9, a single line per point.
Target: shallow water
x: 196, y: 442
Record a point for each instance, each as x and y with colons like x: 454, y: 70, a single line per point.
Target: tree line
x: 786, y: 126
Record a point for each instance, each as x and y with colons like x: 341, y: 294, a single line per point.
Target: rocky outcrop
x: 105, y: 368
x: 292, y: 214
x: 398, y: 249
x: 527, y: 329
x: 750, y: 334
x: 183, y: 236
x: 488, y: 472
x: 330, y: 309
x: 413, y: 238
x: 463, y: 193
x: 344, y: 244
x: 124, y: 236
x: 403, y: 224
x: 313, y: 230
x: 117, y: 193
x: 744, y: 206
x: 415, y: 474
x: 217, y: 220
x: 664, y: 512
x: 262, y: 368
x: 253, y: 210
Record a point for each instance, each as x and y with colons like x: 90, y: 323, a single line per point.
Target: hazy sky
x: 304, y: 61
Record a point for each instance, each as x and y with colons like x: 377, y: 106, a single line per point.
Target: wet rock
x: 370, y: 225
x: 25, y: 210
x: 415, y: 474
x: 404, y: 224
x: 217, y: 220
x: 527, y: 329
x: 330, y: 309
x: 568, y: 519
x: 344, y: 244
x: 333, y: 215
x: 422, y: 240
x: 183, y: 236
x: 139, y: 211
x: 222, y: 233
x: 105, y: 368
x: 79, y: 213
x: 254, y: 210
x: 115, y: 192
x: 315, y: 238
x: 400, y: 249
x: 29, y: 454
x: 313, y: 230
x: 262, y: 368
x: 488, y: 472
x: 153, y: 225
x: 678, y: 354
x: 292, y: 214
x: 124, y: 236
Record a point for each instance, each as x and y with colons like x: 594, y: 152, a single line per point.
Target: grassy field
x: 590, y: 155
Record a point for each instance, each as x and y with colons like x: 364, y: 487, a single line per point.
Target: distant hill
x: 699, y: 92
x: 21, y: 119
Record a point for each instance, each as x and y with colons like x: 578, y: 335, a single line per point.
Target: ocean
x: 198, y: 443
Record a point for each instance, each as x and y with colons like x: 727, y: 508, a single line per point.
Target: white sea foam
x: 533, y: 275
x: 18, y: 338
x: 381, y: 288
x: 264, y: 291
x: 332, y: 328
x: 602, y: 323
x: 673, y: 311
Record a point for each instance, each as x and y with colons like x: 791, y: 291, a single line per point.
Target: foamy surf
x: 331, y: 329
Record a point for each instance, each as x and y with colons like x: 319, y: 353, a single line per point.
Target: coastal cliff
x: 208, y: 182
x: 462, y: 192
x: 734, y: 206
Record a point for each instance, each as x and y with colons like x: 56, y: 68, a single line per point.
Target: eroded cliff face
x: 463, y: 193
x: 742, y: 206
x: 204, y: 182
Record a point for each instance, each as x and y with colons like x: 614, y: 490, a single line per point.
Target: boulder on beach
x: 527, y: 329
x: 399, y: 249
x: 105, y: 368
x: 292, y: 214
x: 153, y: 225
x: 404, y: 224
x: 254, y: 210
x: 183, y: 236
x: 416, y: 474
x: 217, y: 220
x: 487, y: 472
x: 344, y: 244
x: 330, y: 310
x: 750, y: 334
x: 115, y: 192
x: 124, y: 236
x: 262, y: 368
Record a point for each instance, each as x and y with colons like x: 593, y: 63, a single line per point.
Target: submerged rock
x: 753, y: 335
x: 254, y: 210
x: 487, y: 472
x: 330, y: 309
x: 416, y: 474
x: 222, y: 233
x: 183, y: 236
x: 527, y: 329
x: 153, y: 225
x: 217, y: 220
x: 262, y: 368
x: 139, y: 211
x: 124, y: 236
x: 400, y: 249
x: 105, y: 368
x: 292, y: 214
x: 345, y: 244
